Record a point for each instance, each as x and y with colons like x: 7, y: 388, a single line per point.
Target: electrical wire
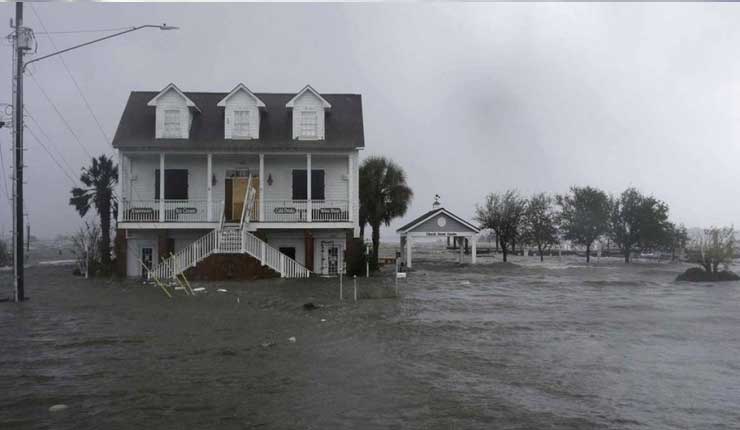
x: 48, y: 139
x: 59, y: 113
x: 74, y: 183
x: 102, y: 30
x: 71, y: 76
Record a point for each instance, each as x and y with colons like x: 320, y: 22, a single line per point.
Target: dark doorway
x: 146, y: 258
x: 288, y: 251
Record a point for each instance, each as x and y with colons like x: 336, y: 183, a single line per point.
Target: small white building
x: 271, y: 176
x: 438, y: 222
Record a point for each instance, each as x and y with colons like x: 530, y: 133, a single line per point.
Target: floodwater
x: 558, y: 345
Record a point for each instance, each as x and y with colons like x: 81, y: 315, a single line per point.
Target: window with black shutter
x: 175, y: 184
x: 300, y: 186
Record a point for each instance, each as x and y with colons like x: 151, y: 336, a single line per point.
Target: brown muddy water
x: 558, y: 345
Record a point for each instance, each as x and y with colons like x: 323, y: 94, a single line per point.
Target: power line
x: 69, y: 72
x: 69, y: 127
x: 48, y: 139
x: 74, y: 183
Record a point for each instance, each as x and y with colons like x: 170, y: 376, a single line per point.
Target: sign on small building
x: 439, y: 222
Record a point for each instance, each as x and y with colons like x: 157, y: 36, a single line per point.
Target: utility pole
x: 28, y: 234
x: 19, y: 45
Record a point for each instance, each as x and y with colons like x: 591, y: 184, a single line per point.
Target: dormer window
x: 309, y: 124
x: 241, y: 124
x: 309, y: 114
x: 241, y: 114
x: 173, y: 113
x: 172, y: 124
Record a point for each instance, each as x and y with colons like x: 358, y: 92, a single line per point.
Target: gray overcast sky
x: 468, y: 98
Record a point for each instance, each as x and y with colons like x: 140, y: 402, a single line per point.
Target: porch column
x: 262, y: 188
x: 309, y: 211
x: 161, y: 187
x: 409, y: 239
x: 121, y: 180
x: 462, y: 248
x: 350, y: 185
x: 474, y: 249
x: 209, y: 184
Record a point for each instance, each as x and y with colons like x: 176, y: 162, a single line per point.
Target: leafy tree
x: 384, y: 195
x: 539, y: 223
x: 638, y: 221
x: 713, y: 247
x: 503, y: 214
x: 99, y: 179
x: 584, y: 216
x: 678, y: 239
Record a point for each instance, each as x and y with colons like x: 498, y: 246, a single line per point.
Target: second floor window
x: 309, y: 124
x: 241, y: 123
x: 172, y: 123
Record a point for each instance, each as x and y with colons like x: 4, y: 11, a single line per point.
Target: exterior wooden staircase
x: 230, y: 239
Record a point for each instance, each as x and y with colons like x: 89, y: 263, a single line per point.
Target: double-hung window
x: 241, y: 123
x: 309, y: 124
x: 172, y: 123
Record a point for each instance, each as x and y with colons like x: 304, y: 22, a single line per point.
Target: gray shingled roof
x: 343, y: 127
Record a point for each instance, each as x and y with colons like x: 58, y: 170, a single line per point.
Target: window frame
x: 176, y: 114
x: 305, y: 114
x: 236, y: 132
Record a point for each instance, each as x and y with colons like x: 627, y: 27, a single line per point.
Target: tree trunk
x: 627, y: 255
x: 504, y: 251
x: 542, y: 253
x: 497, y: 242
x: 376, y: 247
x: 362, y: 232
x: 588, y: 253
x: 513, y: 246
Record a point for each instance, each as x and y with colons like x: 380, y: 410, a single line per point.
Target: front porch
x: 210, y: 188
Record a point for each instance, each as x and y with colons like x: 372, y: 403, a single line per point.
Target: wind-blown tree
x: 713, y: 247
x: 99, y: 179
x: 384, y: 195
x: 503, y: 214
x: 584, y: 216
x: 539, y: 227
x: 638, y: 221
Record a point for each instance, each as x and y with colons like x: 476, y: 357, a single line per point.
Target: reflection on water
x: 553, y: 345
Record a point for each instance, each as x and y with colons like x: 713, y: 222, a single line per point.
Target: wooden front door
x: 238, y: 190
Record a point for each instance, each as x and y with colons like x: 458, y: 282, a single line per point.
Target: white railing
x: 273, y: 258
x: 228, y: 241
x: 297, y: 211
x: 330, y: 210
x: 174, y: 210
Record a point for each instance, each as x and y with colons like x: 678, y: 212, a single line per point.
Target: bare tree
x: 539, y: 223
x: 86, y: 247
x: 503, y: 214
x: 713, y: 247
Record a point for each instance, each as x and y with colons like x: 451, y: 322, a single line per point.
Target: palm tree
x: 384, y: 195
x: 99, y: 178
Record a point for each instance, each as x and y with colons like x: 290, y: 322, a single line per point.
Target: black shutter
x: 156, y: 184
x: 317, y: 185
x: 175, y: 184
x: 300, y: 190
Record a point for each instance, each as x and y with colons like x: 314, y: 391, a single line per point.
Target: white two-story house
x: 270, y: 178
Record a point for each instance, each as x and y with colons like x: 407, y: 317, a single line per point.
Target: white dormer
x: 174, y: 113
x: 309, y: 110
x: 241, y: 113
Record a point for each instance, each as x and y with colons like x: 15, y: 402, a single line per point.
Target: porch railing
x: 197, y: 211
x: 174, y: 210
x: 297, y: 211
